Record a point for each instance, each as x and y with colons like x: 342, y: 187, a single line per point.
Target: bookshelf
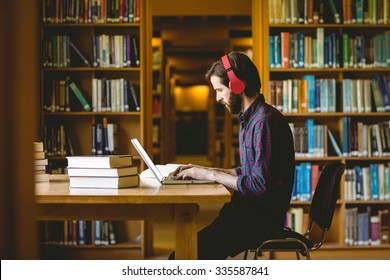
x: 158, y: 101
x: 342, y: 43
x: 100, y: 46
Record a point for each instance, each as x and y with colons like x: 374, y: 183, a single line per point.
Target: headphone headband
x: 236, y: 85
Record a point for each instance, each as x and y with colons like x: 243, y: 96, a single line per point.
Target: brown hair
x: 243, y: 68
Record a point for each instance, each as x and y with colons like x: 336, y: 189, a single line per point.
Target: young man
x: 263, y: 183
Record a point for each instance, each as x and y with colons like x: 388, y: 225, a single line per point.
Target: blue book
x: 359, y: 182
x: 271, y: 43
x: 324, y: 96
x: 334, y: 144
x: 278, y: 51
x: 345, y: 128
x: 310, y: 136
x: 301, y: 178
x: 310, y: 92
x: 97, y: 232
x: 301, y: 50
x: 360, y: 228
x: 331, y: 95
x: 317, y: 99
x: 96, y: 51
x: 347, y: 95
x: 295, y: 186
x: 307, y: 181
x: 382, y: 82
x: 326, y: 51
x: 359, y: 12
x: 81, y: 232
x: 374, y: 182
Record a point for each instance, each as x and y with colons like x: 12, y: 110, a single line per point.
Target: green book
x: 345, y: 51
x: 335, y: 13
x: 80, y: 96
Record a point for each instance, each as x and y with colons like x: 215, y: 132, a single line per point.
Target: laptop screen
x: 137, y: 145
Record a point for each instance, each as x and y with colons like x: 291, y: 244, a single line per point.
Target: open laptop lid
x: 137, y: 145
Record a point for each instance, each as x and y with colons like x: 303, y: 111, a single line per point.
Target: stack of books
x: 102, y: 172
x: 40, y: 163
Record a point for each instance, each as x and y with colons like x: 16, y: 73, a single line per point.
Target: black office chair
x: 321, y: 213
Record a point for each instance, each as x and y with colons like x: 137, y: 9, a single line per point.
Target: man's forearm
x: 225, y: 177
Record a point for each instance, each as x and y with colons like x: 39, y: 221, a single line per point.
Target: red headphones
x: 236, y: 85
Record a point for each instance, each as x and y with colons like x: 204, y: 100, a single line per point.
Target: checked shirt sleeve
x: 255, y: 175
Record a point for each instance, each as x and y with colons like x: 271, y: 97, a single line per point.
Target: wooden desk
x: 56, y: 201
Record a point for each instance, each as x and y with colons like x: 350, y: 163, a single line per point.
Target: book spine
x: 105, y: 136
x: 285, y: 45
x: 134, y: 96
x: 335, y: 13
x: 85, y: 61
x: 301, y: 49
x: 97, y: 232
x: 277, y: 48
x: 93, y: 140
x: 271, y: 44
x: 99, y: 139
x: 81, y: 232
x: 136, y: 52
x: 80, y: 96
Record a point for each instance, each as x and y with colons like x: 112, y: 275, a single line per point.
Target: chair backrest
x: 325, y: 196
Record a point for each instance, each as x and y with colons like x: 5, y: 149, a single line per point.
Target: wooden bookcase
x: 158, y: 137
x: 335, y: 247
x: 78, y: 122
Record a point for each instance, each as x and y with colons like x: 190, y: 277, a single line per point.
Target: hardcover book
x: 104, y: 182
x: 80, y: 96
x: 103, y: 172
x: 104, y: 161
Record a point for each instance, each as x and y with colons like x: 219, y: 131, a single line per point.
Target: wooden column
x: 19, y: 87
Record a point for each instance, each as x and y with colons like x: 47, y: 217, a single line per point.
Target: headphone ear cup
x: 236, y: 85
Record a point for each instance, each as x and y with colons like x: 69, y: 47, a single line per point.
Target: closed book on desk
x: 104, y: 182
x: 103, y: 172
x: 104, y: 161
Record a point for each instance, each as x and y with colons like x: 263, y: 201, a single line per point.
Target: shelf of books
x: 326, y: 67
x: 93, y: 86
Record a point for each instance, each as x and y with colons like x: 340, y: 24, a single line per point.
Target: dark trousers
x: 229, y: 235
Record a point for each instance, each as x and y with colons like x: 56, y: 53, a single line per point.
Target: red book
x: 121, y: 10
x: 285, y: 44
x: 315, y: 172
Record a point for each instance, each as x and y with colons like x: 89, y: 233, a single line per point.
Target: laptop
x: 168, y: 180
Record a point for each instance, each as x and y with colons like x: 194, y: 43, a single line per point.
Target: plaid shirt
x: 264, y: 149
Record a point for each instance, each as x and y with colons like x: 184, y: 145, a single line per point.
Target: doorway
x: 191, y: 44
